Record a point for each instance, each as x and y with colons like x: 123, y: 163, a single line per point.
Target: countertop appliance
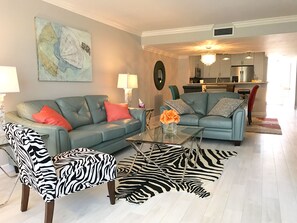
x: 245, y: 73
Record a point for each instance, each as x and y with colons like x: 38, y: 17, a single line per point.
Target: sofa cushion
x: 213, y: 98
x: 84, y: 138
x: 197, y: 100
x: 27, y: 109
x: 190, y: 119
x: 180, y: 106
x: 96, y: 106
x: 107, y: 130
x: 116, y: 112
x: 130, y: 125
x: 75, y: 110
x: 226, y: 107
x: 218, y: 122
x: 49, y: 116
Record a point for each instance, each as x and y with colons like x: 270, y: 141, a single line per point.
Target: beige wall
x: 113, y: 52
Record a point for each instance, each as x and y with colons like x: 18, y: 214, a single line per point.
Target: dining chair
x: 54, y: 177
x: 230, y: 87
x: 174, y: 92
x: 251, y: 101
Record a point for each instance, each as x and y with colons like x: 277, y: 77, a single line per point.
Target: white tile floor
x: 258, y: 185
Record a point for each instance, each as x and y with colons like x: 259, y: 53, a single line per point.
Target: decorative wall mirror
x: 159, y: 75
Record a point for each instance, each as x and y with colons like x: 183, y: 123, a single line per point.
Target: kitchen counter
x: 197, y: 87
x: 226, y: 83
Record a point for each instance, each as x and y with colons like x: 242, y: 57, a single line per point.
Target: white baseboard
x: 259, y: 114
x: 8, y: 169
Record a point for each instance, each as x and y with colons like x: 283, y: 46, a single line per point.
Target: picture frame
x: 63, y: 53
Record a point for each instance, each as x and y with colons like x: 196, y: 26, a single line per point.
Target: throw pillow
x: 226, y: 107
x: 180, y: 106
x: 116, y: 112
x: 47, y: 115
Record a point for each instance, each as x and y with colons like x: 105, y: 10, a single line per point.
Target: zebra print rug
x: 145, y: 180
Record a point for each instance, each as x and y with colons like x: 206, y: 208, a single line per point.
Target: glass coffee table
x: 156, y: 138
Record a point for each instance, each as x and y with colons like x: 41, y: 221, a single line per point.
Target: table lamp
x: 8, y: 84
x: 127, y: 82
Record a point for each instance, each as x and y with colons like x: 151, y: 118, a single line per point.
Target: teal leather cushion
x: 218, y: 122
x: 75, y: 110
x: 27, y: 109
x: 213, y: 98
x: 130, y: 125
x: 197, y: 100
x: 96, y: 106
x: 107, y: 130
x: 84, y: 138
x: 190, y: 119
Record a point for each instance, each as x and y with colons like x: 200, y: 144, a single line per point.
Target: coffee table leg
x: 148, y: 159
x: 188, y: 155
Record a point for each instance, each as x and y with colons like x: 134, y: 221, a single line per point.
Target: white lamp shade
x: 8, y: 80
x: 208, y: 59
x: 127, y: 81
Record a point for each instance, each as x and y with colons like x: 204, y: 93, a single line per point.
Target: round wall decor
x: 159, y: 75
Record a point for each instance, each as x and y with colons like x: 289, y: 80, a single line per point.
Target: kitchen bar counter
x: 226, y: 83
x: 197, y: 87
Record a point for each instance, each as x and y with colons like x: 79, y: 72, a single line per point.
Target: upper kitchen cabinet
x: 260, y: 66
x: 259, y: 60
x: 240, y: 59
x: 222, y: 68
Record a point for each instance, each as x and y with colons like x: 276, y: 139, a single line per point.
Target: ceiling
x: 170, y: 26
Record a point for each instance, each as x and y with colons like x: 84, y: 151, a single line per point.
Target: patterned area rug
x: 264, y: 125
x: 145, y: 180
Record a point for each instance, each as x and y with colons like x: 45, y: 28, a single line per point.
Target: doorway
x: 281, y: 88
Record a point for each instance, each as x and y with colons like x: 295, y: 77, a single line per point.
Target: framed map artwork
x: 63, y: 53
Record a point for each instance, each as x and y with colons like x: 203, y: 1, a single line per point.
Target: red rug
x: 264, y: 125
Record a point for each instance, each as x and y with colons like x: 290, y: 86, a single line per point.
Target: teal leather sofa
x: 216, y: 127
x: 87, y: 116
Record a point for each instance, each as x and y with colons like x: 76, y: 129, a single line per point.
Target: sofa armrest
x: 139, y: 113
x: 58, y: 138
x: 238, y: 124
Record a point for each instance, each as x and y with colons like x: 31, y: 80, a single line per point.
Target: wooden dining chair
x: 251, y: 101
x: 174, y: 92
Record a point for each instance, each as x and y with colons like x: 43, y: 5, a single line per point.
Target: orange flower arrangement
x: 169, y: 116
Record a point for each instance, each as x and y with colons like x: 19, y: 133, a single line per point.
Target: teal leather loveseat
x: 216, y: 127
x: 87, y: 116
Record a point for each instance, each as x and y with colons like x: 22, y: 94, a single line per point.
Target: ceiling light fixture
x: 208, y: 58
x: 226, y: 57
x: 249, y: 56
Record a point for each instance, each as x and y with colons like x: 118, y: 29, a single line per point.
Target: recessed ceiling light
x: 249, y: 56
x: 226, y: 57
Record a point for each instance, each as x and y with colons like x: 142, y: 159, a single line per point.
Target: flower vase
x: 170, y: 128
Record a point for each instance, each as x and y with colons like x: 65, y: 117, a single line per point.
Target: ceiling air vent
x: 223, y: 31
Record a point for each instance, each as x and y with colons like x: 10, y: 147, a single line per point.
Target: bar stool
x: 244, y: 93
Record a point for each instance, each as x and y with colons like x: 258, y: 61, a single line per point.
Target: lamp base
x: 2, y: 114
x: 128, y: 96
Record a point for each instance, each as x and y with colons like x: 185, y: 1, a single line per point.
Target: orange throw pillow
x: 47, y: 115
x: 116, y: 112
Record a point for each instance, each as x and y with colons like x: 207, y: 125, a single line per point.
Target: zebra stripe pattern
x: 145, y: 180
x: 63, y: 174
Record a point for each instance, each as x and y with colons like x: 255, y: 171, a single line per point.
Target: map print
x: 64, y: 53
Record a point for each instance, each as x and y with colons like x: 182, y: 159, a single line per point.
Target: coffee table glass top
x: 156, y: 135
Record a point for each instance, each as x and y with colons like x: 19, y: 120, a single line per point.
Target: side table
x: 3, y: 144
x: 148, y: 115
